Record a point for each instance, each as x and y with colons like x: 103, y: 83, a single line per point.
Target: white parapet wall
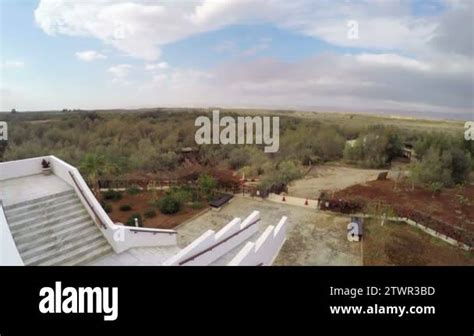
x: 9, y: 255
x: 264, y: 251
x: 20, y: 168
x: 210, y: 246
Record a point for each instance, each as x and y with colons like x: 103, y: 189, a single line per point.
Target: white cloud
x: 89, y: 55
x: 156, y: 66
x: 408, y: 61
x: 140, y: 28
x: 120, y: 73
x: 13, y: 64
x: 348, y: 82
x: 392, y: 60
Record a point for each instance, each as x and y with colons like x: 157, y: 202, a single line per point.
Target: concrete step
x: 47, y: 222
x: 55, y: 211
x: 38, y: 200
x: 85, y: 259
x: 55, y: 230
x: 89, y: 250
x: 58, y: 242
x: 69, y: 228
x: 41, y: 205
x: 66, y: 251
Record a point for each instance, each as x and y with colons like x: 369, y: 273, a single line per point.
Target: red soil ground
x: 401, y: 244
x: 140, y: 203
x: 453, y: 206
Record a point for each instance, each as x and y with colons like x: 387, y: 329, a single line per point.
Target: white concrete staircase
x: 55, y: 230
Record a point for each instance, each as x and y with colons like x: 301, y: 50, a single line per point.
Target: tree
x: 238, y: 157
x: 435, y: 168
x: 169, y: 205
x: 278, y: 178
x: 94, y: 166
x: 329, y: 144
x: 206, y: 185
x: 375, y: 148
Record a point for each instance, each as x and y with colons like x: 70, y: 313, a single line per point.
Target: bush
x: 131, y: 220
x: 169, y: 205
x: 112, y: 195
x: 206, y: 184
x: 133, y: 190
x: 125, y: 207
x: 150, y: 213
x: 182, y: 195
x: 375, y: 148
x: 238, y: 157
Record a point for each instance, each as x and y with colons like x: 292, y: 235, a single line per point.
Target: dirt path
x: 328, y: 177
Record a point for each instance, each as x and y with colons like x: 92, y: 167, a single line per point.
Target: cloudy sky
x: 332, y: 54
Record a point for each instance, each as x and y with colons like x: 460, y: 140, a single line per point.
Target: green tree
x: 206, y: 185
x: 94, y: 166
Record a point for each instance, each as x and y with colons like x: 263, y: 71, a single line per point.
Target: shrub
x: 206, y: 184
x: 169, y: 205
x: 238, y: 157
x: 133, y: 190
x: 112, y: 195
x: 182, y: 195
x: 150, y: 213
x: 131, y: 220
x: 125, y: 207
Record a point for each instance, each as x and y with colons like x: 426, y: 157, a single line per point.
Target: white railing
x: 264, y: 251
x: 9, y: 255
x: 211, y: 245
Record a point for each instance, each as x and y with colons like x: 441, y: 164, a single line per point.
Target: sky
x: 349, y: 55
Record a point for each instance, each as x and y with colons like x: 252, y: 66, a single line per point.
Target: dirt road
x: 328, y: 177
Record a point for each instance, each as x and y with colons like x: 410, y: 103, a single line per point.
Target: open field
x: 330, y: 177
x: 313, y: 238
x: 401, y: 244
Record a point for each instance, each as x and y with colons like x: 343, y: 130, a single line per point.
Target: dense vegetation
x: 104, y: 143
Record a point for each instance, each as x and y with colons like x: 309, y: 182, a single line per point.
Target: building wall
x: 9, y: 255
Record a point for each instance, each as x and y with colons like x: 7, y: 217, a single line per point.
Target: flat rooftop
x: 27, y: 188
